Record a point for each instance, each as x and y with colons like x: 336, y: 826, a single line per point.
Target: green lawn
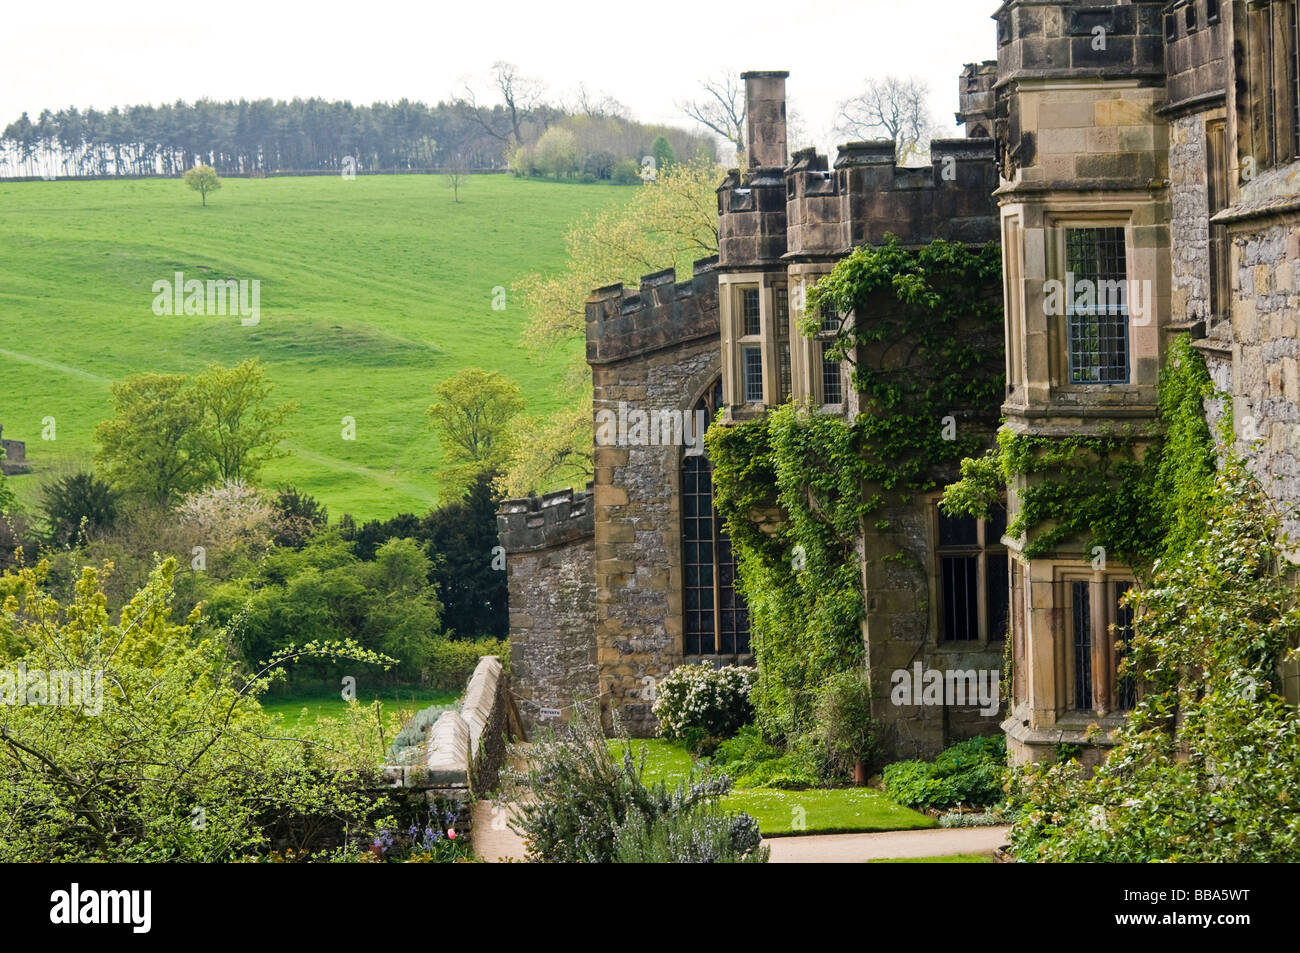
x: 302, y: 710
x: 372, y: 291
x: 946, y: 859
x: 815, y: 811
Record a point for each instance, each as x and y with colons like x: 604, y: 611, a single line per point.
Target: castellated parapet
x: 867, y: 196
x: 1038, y: 40
x: 662, y: 313
x: 751, y: 219
x: 540, y: 522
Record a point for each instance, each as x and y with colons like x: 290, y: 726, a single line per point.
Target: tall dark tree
x: 75, y: 505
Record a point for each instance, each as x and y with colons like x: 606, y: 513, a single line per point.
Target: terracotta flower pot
x: 860, y: 773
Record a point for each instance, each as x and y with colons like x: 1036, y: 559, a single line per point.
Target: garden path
x: 857, y: 848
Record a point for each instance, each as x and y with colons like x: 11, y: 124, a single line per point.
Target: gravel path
x: 857, y: 848
x: 495, y: 842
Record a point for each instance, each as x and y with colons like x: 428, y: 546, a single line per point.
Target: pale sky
x: 647, y: 55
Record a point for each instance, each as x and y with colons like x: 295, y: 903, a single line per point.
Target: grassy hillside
x: 372, y: 291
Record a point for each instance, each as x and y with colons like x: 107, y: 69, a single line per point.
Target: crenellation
x: 660, y: 313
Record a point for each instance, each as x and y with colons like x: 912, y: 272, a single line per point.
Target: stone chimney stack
x: 765, y: 118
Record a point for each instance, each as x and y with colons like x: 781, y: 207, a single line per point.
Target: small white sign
x: 550, y: 713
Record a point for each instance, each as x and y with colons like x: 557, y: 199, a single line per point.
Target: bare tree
x: 456, y: 177
x: 599, y: 105
x: 519, y: 93
x: 721, y: 108
x: 893, y: 107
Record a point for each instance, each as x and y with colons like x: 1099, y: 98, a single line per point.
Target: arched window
x: 716, y: 618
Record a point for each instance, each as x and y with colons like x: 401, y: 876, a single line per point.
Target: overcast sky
x: 648, y: 55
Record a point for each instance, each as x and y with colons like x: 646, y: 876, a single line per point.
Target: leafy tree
x: 202, y: 179
x: 462, y: 535
x: 297, y: 516
x: 7, y: 498
x: 662, y: 151
x: 459, y: 537
x: 172, y: 433
x: 147, y: 447
x: 626, y: 172
x: 668, y: 223
x: 161, y: 752
x: 387, y: 605
x: 76, y: 503
x: 238, y: 431
x: 556, y: 153
x: 472, y: 419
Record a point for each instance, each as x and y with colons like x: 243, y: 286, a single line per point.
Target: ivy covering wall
x: 1139, y: 494
x: 795, y: 486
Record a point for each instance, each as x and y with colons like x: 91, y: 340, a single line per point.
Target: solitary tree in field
x: 202, y: 179
x: 472, y: 418
x: 456, y: 177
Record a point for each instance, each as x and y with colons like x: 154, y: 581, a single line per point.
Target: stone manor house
x: 1152, y: 143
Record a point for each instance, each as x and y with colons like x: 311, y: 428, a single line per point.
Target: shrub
x: 970, y: 772
x: 706, y: 835
x: 844, y: 723
x: 698, y: 701
x: 754, y: 763
x: 452, y: 661
x: 75, y: 504
x: 576, y: 800
x: 228, y: 515
x: 296, y: 517
x: 626, y: 172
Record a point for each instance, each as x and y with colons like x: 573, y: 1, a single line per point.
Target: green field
x: 372, y: 291
x: 304, y: 709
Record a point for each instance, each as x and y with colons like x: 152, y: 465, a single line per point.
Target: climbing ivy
x: 789, y: 488
x: 927, y: 349
x: 1140, y: 494
x: 795, y: 486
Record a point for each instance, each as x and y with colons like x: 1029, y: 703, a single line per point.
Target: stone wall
x: 1189, y: 222
x: 901, y: 627
x: 465, y: 749
x: 639, y: 610
x: 1266, y: 351
x: 636, y: 490
x: 550, y: 562
x: 15, y: 455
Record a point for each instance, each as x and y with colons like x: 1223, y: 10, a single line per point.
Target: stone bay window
x: 755, y: 323
x: 1099, y: 631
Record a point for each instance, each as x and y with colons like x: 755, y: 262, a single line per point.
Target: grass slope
x: 372, y: 291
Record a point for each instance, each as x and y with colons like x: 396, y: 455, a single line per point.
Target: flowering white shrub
x: 698, y: 701
x: 227, y: 514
